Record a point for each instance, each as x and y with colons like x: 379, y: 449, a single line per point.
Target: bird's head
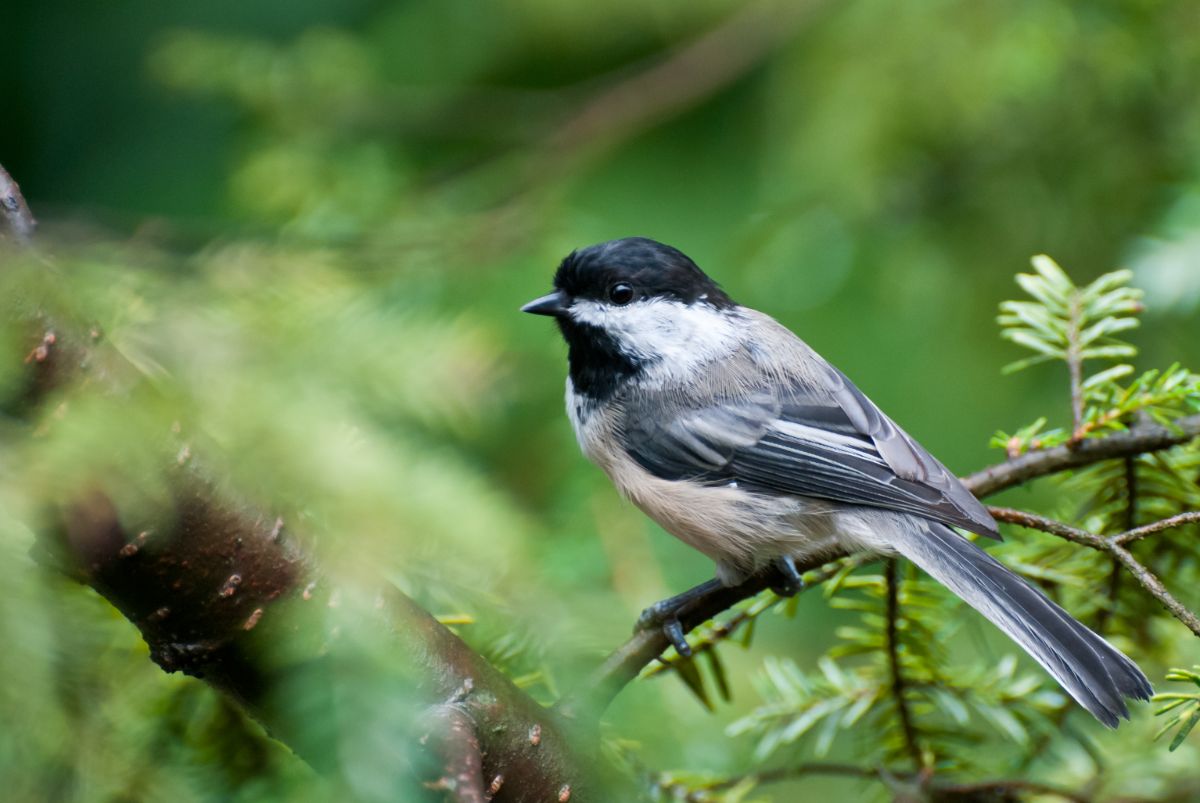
x: 626, y: 305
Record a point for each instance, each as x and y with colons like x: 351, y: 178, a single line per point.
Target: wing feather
x: 822, y: 439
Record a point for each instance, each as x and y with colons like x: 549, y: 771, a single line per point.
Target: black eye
x: 620, y: 293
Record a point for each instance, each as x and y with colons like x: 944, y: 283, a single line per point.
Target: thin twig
x: 1110, y: 545
x: 1157, y: 590
x: 972, y: 791
x: 1191, y: 517
x: 1139, y: 439
x: 14, y: 209
x: 1033, y: 521
x: 899, y: 692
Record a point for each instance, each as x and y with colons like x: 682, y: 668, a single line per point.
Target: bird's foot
x: 667, y: 614
x: 789, y: 582
x: 659, y: 615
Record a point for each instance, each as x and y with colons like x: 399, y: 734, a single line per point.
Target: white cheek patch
x: 670, y: 336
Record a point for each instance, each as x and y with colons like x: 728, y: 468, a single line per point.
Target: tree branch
x: 591, y: 697
x: 223, y: 592
x: 1112, y: 546
x: 1156, y: 589
x: 1033, y: 521
x: 453, y: 740
x: 1137, y: 533
x: 1142, y: 438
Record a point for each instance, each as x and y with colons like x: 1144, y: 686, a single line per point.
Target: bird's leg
x: 665, y: 614
x: 789, y: 583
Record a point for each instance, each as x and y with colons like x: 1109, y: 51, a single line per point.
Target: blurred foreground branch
x: 223, y: 592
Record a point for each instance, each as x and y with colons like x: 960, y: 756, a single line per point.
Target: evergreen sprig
x: 1185, y: 708
x: 1072, y: 324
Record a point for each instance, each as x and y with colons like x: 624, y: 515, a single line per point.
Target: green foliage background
x: 311, y: 224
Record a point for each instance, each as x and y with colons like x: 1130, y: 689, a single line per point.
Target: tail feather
x: 1092, y: 671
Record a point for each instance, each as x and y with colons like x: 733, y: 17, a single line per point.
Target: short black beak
x: 554, y: 304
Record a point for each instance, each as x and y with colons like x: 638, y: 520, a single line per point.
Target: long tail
x: 1092, y: 671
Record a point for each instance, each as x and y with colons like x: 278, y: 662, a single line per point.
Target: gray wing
x: 825, y: 440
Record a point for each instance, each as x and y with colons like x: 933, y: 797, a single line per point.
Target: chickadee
x: 741, y: 441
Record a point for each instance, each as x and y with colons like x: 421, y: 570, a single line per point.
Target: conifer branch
x: 1111, y: 545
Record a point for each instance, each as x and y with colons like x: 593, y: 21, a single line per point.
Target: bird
x: 736, y: 437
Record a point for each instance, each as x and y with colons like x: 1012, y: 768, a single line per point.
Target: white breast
x: 740, y: 531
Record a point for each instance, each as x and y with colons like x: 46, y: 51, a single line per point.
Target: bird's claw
x: 673, y: 630
x: 668, y: 614
x: 665, y: 616
x: 790, y: 582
